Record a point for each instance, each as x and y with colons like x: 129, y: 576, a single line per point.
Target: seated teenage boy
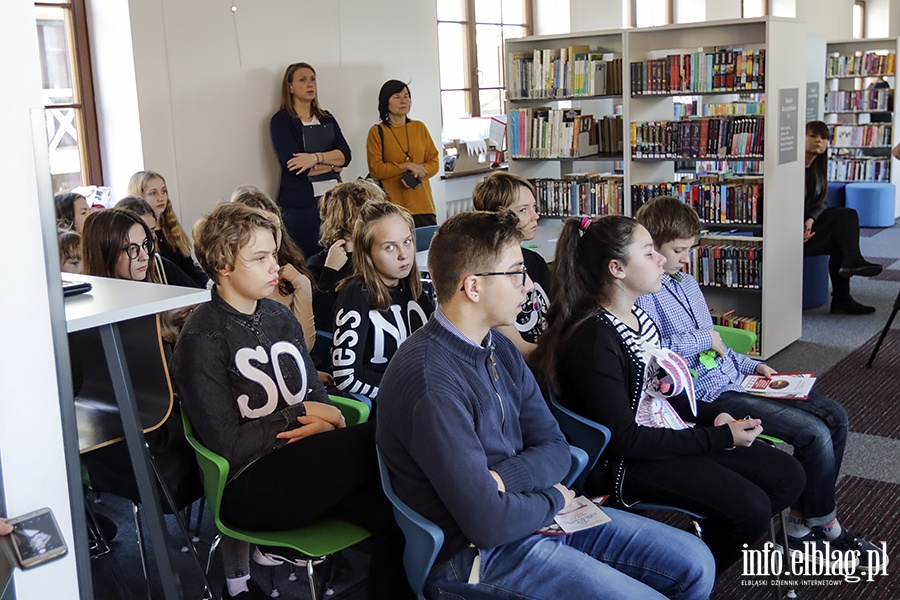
x: 252, y: 393
x: 817, y: 427
x: 471, y: 445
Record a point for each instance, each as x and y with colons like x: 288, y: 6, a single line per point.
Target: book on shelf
x: 736, y: 264
x: 721, y: 70
x: 859, y: 169
x: 788, y: 386
x: 878, y: 100
x: 702, y: 137
x: 715, y: 199
x: 850, y: 136
x: 862, y: 64
x: 580, y: 194
x: 566, y: 72
x: 544, y: 132
x: 730, y: 319
x: 684, y: 110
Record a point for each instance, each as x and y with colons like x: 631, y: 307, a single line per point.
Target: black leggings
x: 737, y: 490
x: 331, y: 474
x: 837, y: 235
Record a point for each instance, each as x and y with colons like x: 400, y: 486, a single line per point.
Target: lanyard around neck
x: 686, y: 305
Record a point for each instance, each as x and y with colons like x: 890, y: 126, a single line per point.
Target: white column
x: 31, y: 447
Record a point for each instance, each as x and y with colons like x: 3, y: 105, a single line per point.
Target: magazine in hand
x: 580, y: 514
x: 794, y: 386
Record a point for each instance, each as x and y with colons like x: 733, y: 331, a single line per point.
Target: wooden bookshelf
x: 771, y: 43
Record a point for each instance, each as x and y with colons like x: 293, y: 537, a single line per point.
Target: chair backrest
x: 423, y: 538
x: 99, y: 423
x: 739, y: 340
x: 423, y: 237
x: 579, y: 462
x: 588, y: 435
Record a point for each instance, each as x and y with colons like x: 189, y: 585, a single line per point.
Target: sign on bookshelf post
x: 788, y: 98
x: 812, y: 101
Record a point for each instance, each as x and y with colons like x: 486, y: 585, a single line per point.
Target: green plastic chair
x: 739, y: 340
x: 317, y: 541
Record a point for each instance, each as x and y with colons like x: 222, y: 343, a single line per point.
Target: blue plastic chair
x: 423, y: 538
x: 593, y: 438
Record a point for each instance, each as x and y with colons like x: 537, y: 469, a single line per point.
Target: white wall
x: 31, y: 445
x: 208, y: 80
x: 550, y: 17
x: 831, y: 19
x: 592, y: 15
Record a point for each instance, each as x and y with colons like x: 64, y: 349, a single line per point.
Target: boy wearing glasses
x: 470, y: 445
x: 500, y: 191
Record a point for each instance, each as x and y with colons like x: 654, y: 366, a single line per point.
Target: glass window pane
x: 650, y: 13
x: 487, y: 11
x: 54, y: 35
x: 514, y: 11
x: 451, y: 45
x: 453, y: 106
x: 64, y: 132
x: 754, y: 8
x: 858, y: 21
x: 489, y: 42
x: 513, y: 32
x: 451, y: 10
x: 491, y: 102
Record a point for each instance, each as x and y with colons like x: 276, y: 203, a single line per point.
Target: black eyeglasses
x: 134, y: 250
x: 523, y: 272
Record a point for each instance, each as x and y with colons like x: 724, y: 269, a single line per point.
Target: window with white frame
x: 650, y: 13
x: 859, y: 19
x: 470, y: 40
x: 67, y: 93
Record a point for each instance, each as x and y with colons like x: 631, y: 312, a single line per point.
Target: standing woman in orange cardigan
x: 402, y: 154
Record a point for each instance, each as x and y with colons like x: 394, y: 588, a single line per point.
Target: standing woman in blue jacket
x: 311, y: 150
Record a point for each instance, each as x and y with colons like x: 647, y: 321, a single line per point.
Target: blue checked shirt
x: 682, y: 316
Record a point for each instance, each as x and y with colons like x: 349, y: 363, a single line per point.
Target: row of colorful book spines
x: 559, y: 197
x: 684, y: 139
x: 868, y: 64
x: 736, y: 167
x: 714, y: 203
x: 727, y: 266
x: 578, y: 78
x: 736, y: 109
x: 859, y: 170
x: 861, y: 135
x: 858, y: 100
x: 700, y: 72
x: 740, y: 322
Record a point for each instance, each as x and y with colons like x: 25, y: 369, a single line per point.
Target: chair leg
x: 292, y: 576
x: 310, y: 573
x: 136, y: 510
x: 884, y: 331
x: 275, y: 593
x: 202, y: 505
x: 791, y: 592
x: 212, y: 552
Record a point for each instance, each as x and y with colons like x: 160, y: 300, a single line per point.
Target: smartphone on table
x: 35, y: 539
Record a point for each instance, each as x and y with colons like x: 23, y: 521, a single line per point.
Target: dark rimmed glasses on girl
x: 523, y: 272
x: 134, y: 250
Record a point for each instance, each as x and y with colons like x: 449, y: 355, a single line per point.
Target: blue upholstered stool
x: 874, y: 202
x: 815, y: 281
x: 837, y: 194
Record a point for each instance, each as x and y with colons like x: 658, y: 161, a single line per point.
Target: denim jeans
x: 630, y: 558
x: 816, y: 428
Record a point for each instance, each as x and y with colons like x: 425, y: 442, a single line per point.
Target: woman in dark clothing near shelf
x: 602, y: 354
x: 311, y: 151
x: 832, y: 231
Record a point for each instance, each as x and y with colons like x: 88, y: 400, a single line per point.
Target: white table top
x: 544, y: 243
x: 115, y: 300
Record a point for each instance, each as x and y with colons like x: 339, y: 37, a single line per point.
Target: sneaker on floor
x: 810, y: 546
x: 849, y: 306
x: 253, y: 592
x: 272, y: 556
x: 867, y: 551
x: 863, y: 269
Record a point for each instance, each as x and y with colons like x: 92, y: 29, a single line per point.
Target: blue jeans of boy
x: 816, y: 428
x: 630, y: 558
